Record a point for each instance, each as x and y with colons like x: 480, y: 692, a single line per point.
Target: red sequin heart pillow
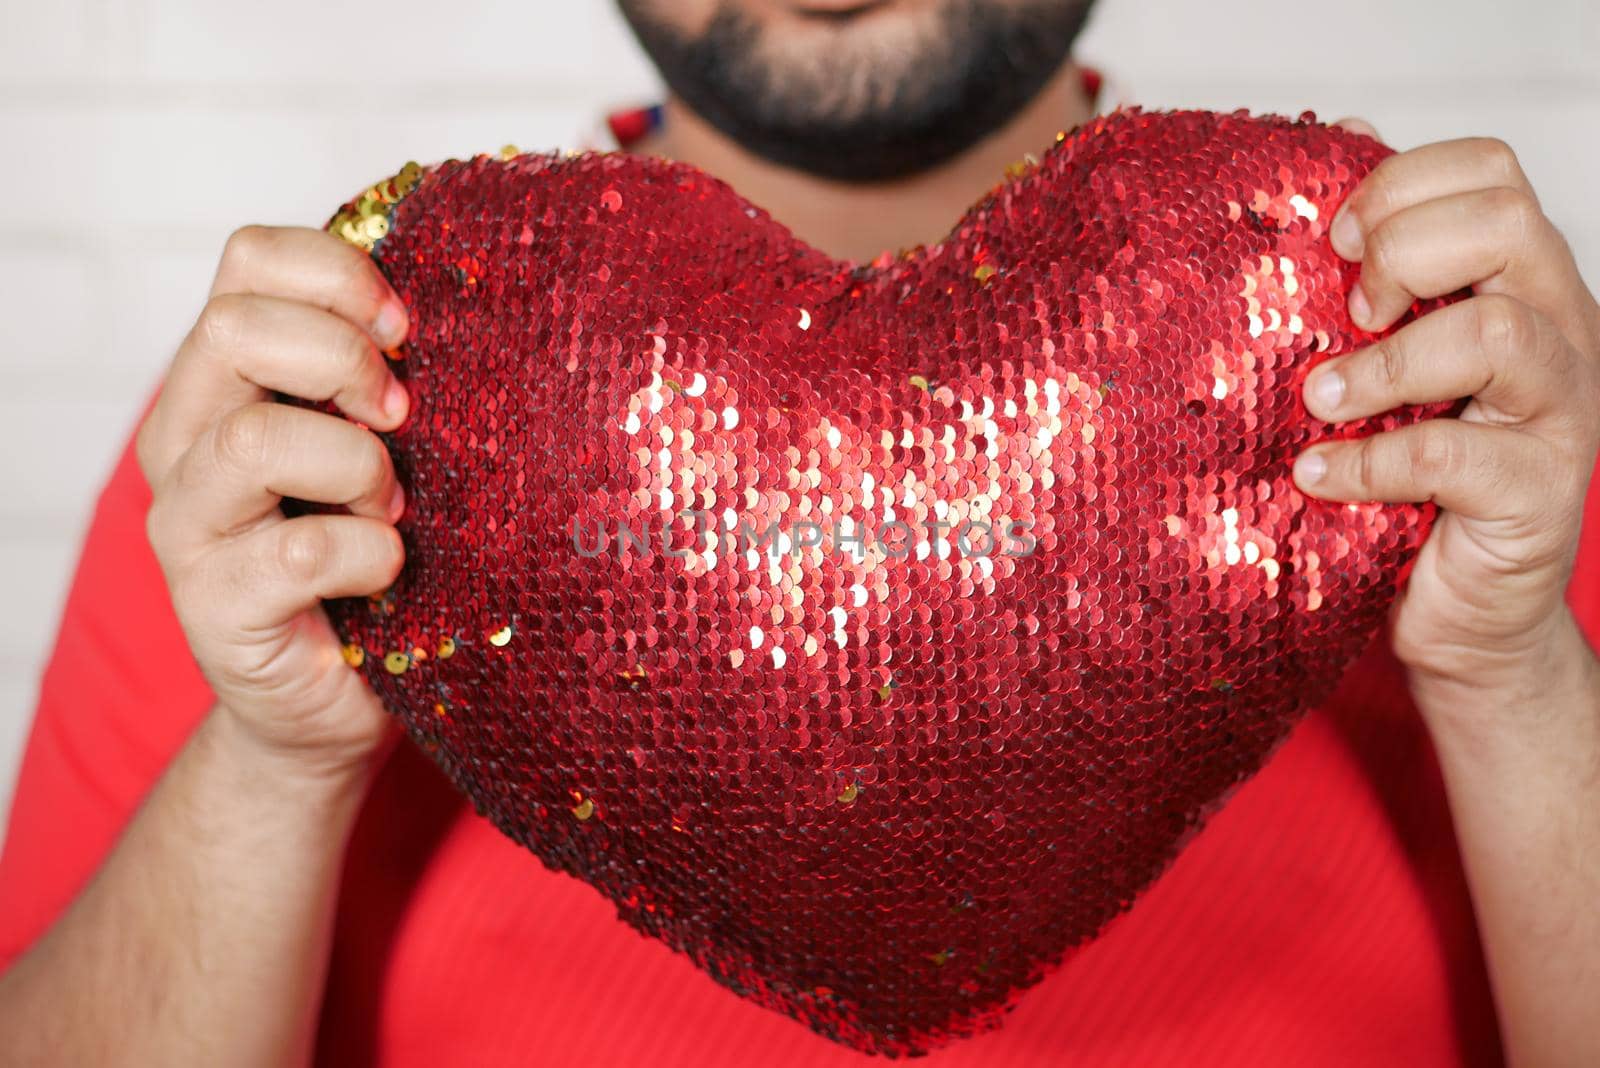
x: 872, y: 634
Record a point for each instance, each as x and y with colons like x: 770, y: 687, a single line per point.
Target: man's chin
x: 860, y: 90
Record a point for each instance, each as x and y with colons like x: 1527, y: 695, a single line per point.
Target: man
x: 1322, y: 918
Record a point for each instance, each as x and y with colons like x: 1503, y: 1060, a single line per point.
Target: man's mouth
x: 835, y: 8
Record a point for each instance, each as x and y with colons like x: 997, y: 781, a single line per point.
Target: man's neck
x: 858, y: 221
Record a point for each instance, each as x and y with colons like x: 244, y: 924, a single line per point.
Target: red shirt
x: 1320, y: 918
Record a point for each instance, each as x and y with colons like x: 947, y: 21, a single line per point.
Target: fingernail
x: 1309, y: 468
x: 1325, y: 390
x: 1346, y: 234
x: 389, y: 328
x: 1360, y: 306
x: 395, y: 399
x: 397, y: 503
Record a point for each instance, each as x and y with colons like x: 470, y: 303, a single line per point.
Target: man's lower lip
x: 835, y: 7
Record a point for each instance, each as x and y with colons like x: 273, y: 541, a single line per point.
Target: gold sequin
x: 366, y: 220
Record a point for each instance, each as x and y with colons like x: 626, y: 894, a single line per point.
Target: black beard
x: 915, y: 112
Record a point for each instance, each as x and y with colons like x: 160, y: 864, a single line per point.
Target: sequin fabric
x: 873, y: 634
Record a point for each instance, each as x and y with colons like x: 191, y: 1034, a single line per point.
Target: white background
x: 137, y: 133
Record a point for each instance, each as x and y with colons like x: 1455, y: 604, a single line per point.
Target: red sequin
x: 1023, y: 588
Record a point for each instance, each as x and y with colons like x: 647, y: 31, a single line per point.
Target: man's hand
x: 1508, y: 687
x: 1484, y: 610
x: 223, y: 884
x: 302, y: 313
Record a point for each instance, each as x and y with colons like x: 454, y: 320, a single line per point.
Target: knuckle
x: 245, y: 246
x: 242, y: 436
x: 1496, y: 157
x: 222, y: 323
x: 1389, y: 362
x: 1504, y: 326
x: 305, y: 551
x: 1433, y: 453
x: 1382, y: 252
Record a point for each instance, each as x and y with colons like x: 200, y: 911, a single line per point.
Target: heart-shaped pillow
x: 872, y: 634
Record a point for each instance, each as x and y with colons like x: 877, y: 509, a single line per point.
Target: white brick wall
x: 137, y: 133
